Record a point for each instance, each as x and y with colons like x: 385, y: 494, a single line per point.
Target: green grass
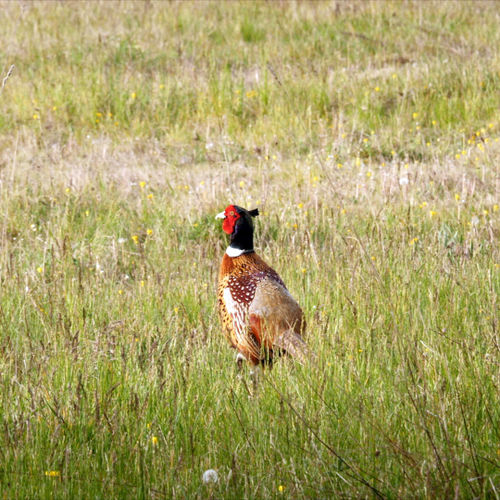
x: 367, y: 134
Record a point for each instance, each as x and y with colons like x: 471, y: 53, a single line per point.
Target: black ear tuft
x: 254, y: 212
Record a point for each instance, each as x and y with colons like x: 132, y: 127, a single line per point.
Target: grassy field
x: 368, y: 136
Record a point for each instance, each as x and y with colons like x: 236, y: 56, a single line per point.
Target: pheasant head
x: 238, y: 223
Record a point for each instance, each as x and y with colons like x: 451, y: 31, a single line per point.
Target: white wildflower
x: 210, y: 476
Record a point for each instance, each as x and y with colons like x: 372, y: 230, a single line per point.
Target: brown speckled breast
x: 240, y: 278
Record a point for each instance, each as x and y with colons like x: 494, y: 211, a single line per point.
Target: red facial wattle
x: 232, y: 216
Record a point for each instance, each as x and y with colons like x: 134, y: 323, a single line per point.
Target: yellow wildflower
x: 457, y: 197
x: 154, y: 440
x: 135, y: 239
x: 52, y: 473
x: 281, y: 488
x: 142, y: 184
x: 149, y: 232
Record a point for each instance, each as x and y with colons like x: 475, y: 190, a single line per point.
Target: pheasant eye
x: 231, y: 213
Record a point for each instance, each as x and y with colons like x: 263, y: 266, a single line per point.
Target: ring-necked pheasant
x: 259, y: 316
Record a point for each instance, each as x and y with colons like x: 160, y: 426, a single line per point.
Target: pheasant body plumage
x: 259, y: 315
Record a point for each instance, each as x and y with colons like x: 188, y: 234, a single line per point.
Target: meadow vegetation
x: 368, y: 136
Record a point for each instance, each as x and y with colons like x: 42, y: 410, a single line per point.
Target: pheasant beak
x: 222, y: 215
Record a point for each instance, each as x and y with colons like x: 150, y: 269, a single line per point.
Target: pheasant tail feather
x: 292, y: 343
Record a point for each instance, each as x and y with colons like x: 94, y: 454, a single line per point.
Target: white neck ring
x: 236, y: 252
